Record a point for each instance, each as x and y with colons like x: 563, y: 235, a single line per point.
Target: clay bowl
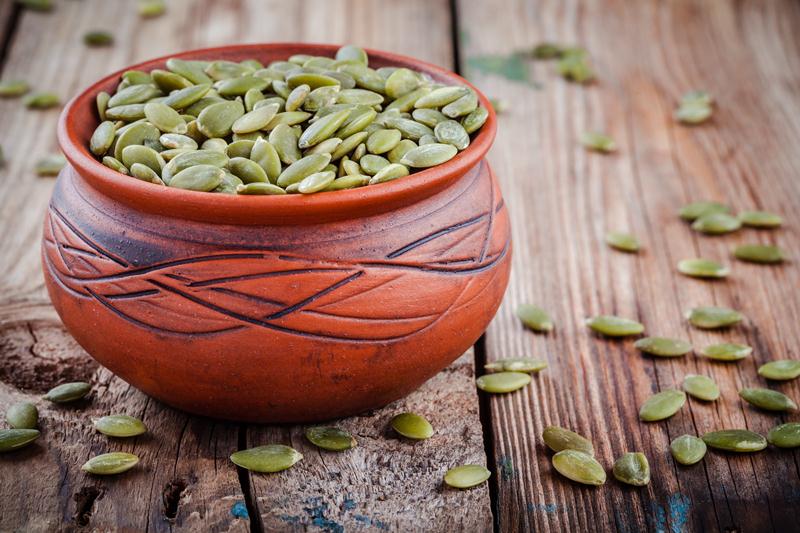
x: 275, y: 309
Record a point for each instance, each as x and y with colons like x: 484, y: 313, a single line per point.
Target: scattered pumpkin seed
x: 768, y: 399
x: 711, y: 317
x: 726, y: 351
x: 662, y: 405
x: 269, y: 458
x: 780, y: 370
x: 466, y: 476
x: 151, y: 8
x: 614, y: 326
x: 110, y: 463
x: 599, y: 142
x: 688, y: 449
x: 517, y: 364
x: 13, y: 88
x: 702, y: 268
x: 624, y: 242
x: 36, y: 5
x: 14, y: 439
x: 785, y: 435
x: 573, y: 65
x: 330, y: 438
x: 501, y: 382
x: 558, y: 439
x: 716, y: 224
x: 42, y: 100
x: 412, y: 426
x: 535, y: 318
x: 50, y: 165
x: 693, y: 211
x: 547, y: 51
x: 735, y: 440
x: 701, y: 387
x: 693, y: 112
x: 760, y: 219
x: 22, y: 415
x: 759, y: 253
x: 119, y: 426
x: 633, y: 469
x: 663, y: 346
x: 579, y: 467
x: 98, y: 38
x: 68, y: 392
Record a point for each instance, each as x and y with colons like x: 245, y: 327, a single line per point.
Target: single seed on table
x: 614, y: 326
x: 502, y: 382
x: 760, y: 219
x: 119, y: 426
x: 13, y: 88
x: 14, y: 439
x: 573, y: 65
x: 662, y: 405
x: 693, y: 112
x: 624, y: 242
x: 663, y: 346
x: 702, y: 268
x: 785, y: 435
x: 517, y: 364
x: 780, y: 370
x: 499, y: 105
x: 711, y: 317
x: 633, y: 469
x: 693, y: 211
x: 98, y: 38
x: 466, y: 476
x: 22, y: 415
x: 330, y: 438
x: 701, y: 387
x: 768, y: 399
x: 599, y: 142
x: 580, y: 467
x: 759, y: 253
x: 735, y: 440
x: 412, y: 426
x: 534, y: 318
x: 42, y: 100
x: 68, y: 392
x: 547, y: 51
x: 110, y: 463
x: 151, y: 8
x: 558, y: 439
x: 716, y: 224
x: 726, y: 351
x: 268, y: 459
x: 687, y: 449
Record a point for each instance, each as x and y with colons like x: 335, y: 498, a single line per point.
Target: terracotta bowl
x: 275, y: 309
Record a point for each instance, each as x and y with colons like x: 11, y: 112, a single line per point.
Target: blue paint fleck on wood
x: 239, y: 510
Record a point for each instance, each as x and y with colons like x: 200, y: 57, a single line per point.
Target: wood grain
x: 563, y: 199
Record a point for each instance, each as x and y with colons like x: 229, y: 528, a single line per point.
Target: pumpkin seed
x: 409, y: 129
x: 110, y: 463
x: 13, y: 88
x: 517, y: 364
x: 429, y: 155
x: 558, y: 439
x: 702, y: 268
x: 716, y: 224
x: 547, y: 51
x: 475, y: 120
x: 135, y: 94
x: 760, y: 219
x: 735, y: 440
x: 145, y: 173
x: 183, y: 98
x: 697, y: 210
x: 259, y: 188
x: 700, y: 387
x: 42, y: 100
x: 633, y: 469
x: 441, y: 97
x: 330, y: 438
x: 68, y: 392
x: 502, y: 382
x: 164, y: 118
x: 412, y: 426
x: 599, y: 142
x: 115, y: 164
x: 136, y: 153
x: 22, y: 415
x: 50, y: 165
x: 780, y: 370
x: 217, y: 119
x: 382, y: 141
x: 579, y: 467
x: 429, y: 117
x: 614, y: 326
x: 328, y: 146
x: 269, y: 458
x: 710, y: 317
x: 316, y: 182
x: 662, y: 405
x: 283, y: 139
x: 352, y: 53
x: 693, y: 112
x: 401, y: 81
x: 192, y: 71
x: 197, y: 178
x: 372, y: 164
x: 534, y: 318
x: 348, y: 182
x: 466, y: 476
x: 390, y: 172
x: 102, y: 138
x: 127, y: 113
x: 303, y: 168
x: 785, y: 435
x: 98, y: 38
x: 246, y: 170
x: 119, y: 426
x: 726, y: 351
x: 573, y: 65
x: 322, y: 129
x: 14, y: 439
x: 663, y: 346
x: 451, y: 132
x: 196, y: 157
x: 463, y: 106
x: 36, y: 5
x: 169, y: 81
x: 239, y: 86
x: 176, y: 141
x: 151, y: 8
x: 771, y: 400
x: 759, y: 253
x: 136, y: 134
x: 622, y: 241
x: 687, y: 449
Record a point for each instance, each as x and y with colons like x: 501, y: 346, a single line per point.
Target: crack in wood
x: 171, y: 498
x: 84, y: 504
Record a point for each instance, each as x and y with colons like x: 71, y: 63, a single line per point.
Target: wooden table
x: 562, y: 200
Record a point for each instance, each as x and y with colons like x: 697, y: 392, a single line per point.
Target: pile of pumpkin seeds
x: 304, y: 125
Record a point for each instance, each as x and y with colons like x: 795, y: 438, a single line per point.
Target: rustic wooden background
x: 562, y: 200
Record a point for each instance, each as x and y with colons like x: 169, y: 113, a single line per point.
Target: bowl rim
x: 278, y: 209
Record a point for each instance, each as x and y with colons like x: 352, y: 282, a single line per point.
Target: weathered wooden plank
x: 562, y: 200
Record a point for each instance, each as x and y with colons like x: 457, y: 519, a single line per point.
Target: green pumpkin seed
x: 217, y: 119
x: 320, y: 97
x: 547, y: 51
x: 240, y: 86
x: 313, y: 80
x: 780, y: 370
x: 350, y: 143
x: 390, y: 172
x: 13, y: 88
x: 558, y: 439
x: 401, y: 81
x: 662, y: 405
x: 406, y: 103
x: 663, y: 346
x: 726, y: 351
x: 283, y: 139
x: 372, y: 164
x: 517, y: 364
x: 700, y: 387
x: 382, y: 141
x: 136, y: 153
x: 735, y: 440
x: 68, y: 392
x: 98, y: 38
x: 136, y: 134
x: 359, y: 96
x: 135, y: 94
x: 115, y: 164
x: 687, y: 449
x: 573, y: 65
x: 695, y: 112
x: 316, y: 182
x: 633, y: 469
x: 579, y: 467
x: 328, y: 146
x: 502, y: 382
x: 785, y: 435
x: 771, y: 400
x: 22, y: 415
x: 169, y: 81
x: 145, y: 173
x: 429, y: 117
x: 330, y: 438
x: 348, y: 182
x: 265, y: 155
x: 42, y: 100
x: 624, y: 242
x: 151, y: 8
x: 164, y: 118
x: 429, y: 155
x: 426, y: 139
x: 614, y: 326
x: 119, y: 426
x: 190, y: 70
x: 693, y: 211
x: 241, y: 148
x: 710, y: 317
x: 36, y: 5
x: 102, y: 138
x: 175, y: 140
x: 412, y: 426
x: 409, y: 129
x: 466, y: 476
x: 14, y: 439
x: 303, y: 168
x: 451, y: 132
x: 268, y: 459
x: 352, y: 53
x: 534, y: 318
x: 198, y: 178
x: 760, y: 219
x: 475, y: 120
x: 229, y: 184
x: 127, y: 113
x: 599, y: 142
x: 183, y: 98
x: 702, y: 268
x: 716, y: 224
x: 441, y: 97
x: 759, y: 253
x: 196, y: 157
x: 259, y: 188
x: 110, y: 463
x: 137, y: 77
x: 50, y: 165
x: 246, y: 170
x: 463, y: 106
x: 322, y: 129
